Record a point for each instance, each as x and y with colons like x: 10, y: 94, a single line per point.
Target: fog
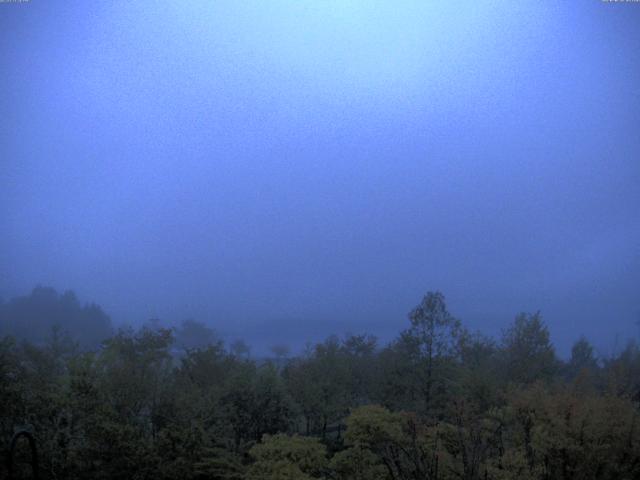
x: 287, y: 170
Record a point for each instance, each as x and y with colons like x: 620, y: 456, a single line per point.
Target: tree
x: 256, y: 403
x: 319, y: 384
x: 32, y: 317
x: 135, y: 371
x: 528, y: 354
x: 300, y: 378
x: 192, y: 334
x: 280, y: 350
x: 478, y: 375
x: 282, y: 457
x: 401, y: 444
x: 567, y: 435
x: 358, y: 464
x: 582, y: 356
x: 132, y: 410
x: 582, y: 367
x: 426, y: 352
x: 622, y: 372
x: 281, y: 353
x: 470, y: 440
x: 360, y: 357
x: 240, y: 349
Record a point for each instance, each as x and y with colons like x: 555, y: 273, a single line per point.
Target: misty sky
x: 285, y: 170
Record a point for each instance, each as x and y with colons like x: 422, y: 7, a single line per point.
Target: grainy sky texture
x: 285, y: 170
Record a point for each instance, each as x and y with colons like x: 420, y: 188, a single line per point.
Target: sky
x: 287, y: 170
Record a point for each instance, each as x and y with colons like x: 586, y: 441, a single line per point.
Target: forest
x: 437, y: 402
x: 319, y: 240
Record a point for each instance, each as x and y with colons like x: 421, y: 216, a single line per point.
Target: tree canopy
x: 438, y: 402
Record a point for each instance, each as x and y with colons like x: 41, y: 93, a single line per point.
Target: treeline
x: 33, y: 317
x: 45, y: 313
x: 436, y: 403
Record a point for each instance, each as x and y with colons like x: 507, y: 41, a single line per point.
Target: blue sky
x: 285, y: 170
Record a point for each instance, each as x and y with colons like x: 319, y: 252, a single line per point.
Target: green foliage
x: 623, y: 373
x: 436, y: 403
x: 398, y: 444
x: 528, y: 354
x: 421, y: 365
x: 357, y: 463
x: 479, y: 373
x: 287, y: 457
x: 563, y: 434
x: 256, y: 404
x: 330, y: 379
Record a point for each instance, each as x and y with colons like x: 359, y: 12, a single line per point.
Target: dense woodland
x: 438, y: 402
